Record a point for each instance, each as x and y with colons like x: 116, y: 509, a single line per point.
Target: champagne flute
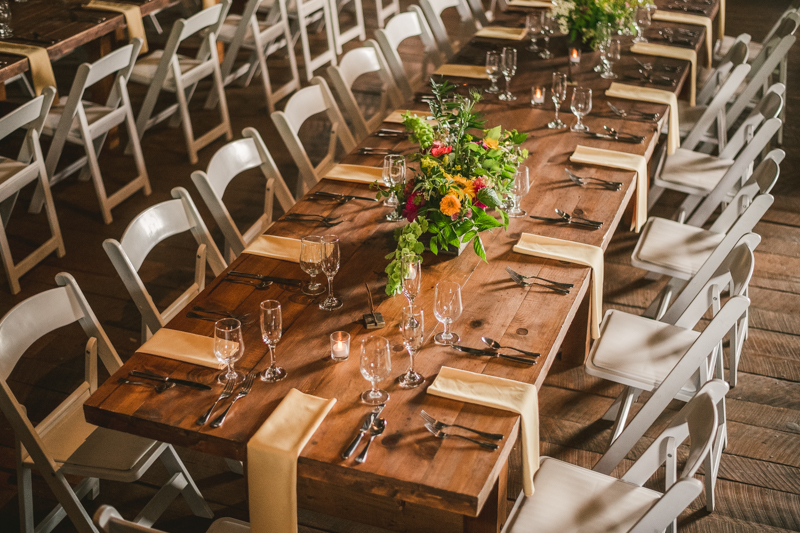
x: 547, y: 23
x: 509, y: 68
x: 612, y: 53
x: 330, y: 266
x: 447, y: 308
x: 519, y: 189
x: 533, y: 23
x: 271, y: 330
x: 493, y: 70
x: 643, y: 22
x: 311, y: 263
x: 581, y: 106
x: 604, y: 33
x: 411, y: 277
x: 559, y: 91
x: 375, y: 366
x: 394, y: 172
x: 413, y: 329
x: 228, y: 347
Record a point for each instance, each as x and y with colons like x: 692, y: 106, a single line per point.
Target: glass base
x: 608, y: 76
x: 273, y: 374
x: 394, y: 216
x: 331, y: 303
x: 221, y: 378
x: 377, y: 397
x: 556, y: 125
x: 579, y: 128
x: 598, y: 69
x: 507, y: 97
x: 6, y: 31
x: 313, y: 289
x: 640, y: 40
x: 545, y: 54
x: 410, y: 379
x: 494, y: 89
x: 532, y: 47
x: 516, y: 213
x: 439, y: 338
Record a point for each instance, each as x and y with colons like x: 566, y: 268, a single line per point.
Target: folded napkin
x: 614, y: 159
x: 284, y: 248
x: 530, y: 3
x: 574, y: 252
x: 497, y: 32
x: 397, y: 116
x: 209, y: 3
x: 656, y: 96
x: 499, y: 393
x: 355, y: 173
x: 133, y: 18
x: 463, y: 71
x: 39, y: 61
x: 182, y: 346
x: 695, y: 20
x: 675, y: 53
x: 272, y: 461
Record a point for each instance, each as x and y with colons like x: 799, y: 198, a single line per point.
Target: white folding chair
x: 78, y: 121
x: 725, y: 42
x: 569, y: 498
x: 385, y: 12
x: 303, y: 104
x: 166, y: 70
x: 64, y: 444
x: 15, y: 174
x: 433, y: 9
x: 229, y: 161
x: 262, y: 38
x: 150, y: 227
x: 404, y: 26
x: 356, y: 31
x: 307, y: 13
x: 354, y: 64
x: 481, y: 15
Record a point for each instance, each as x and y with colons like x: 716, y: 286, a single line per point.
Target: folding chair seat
x: 433, y: 9
x: 354, y: 64
x: 15, y: 174
x: 356, y: 31
x: 166, y: 70
x: 150, y: 227
x: 304, y: 104
x: 64, y: 444
x: 229, y: 161
x: 78, y: 121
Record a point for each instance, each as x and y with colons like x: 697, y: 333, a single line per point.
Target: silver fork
x: 226, y: 393
x: 440, y: 425
x: 557, y: 283
x: 624, y: 114
x: 442, y: 435
x: 244, y: 391
x: 519, y: 281
x: 613, y: 185
x: 311, y: 215
x: 325, y: 223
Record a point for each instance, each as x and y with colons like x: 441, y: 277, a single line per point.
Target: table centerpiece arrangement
x: 459, y: 173
x: 581, y: 19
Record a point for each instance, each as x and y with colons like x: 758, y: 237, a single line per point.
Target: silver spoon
x: 567, y: 216
x: 378, y: 427
x: 161, y: 387
x: 494, y: 345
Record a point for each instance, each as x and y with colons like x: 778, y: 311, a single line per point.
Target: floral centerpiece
x: 460, y: 172
x: 580, y: 19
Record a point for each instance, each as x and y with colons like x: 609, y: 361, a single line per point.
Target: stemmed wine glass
x: 604, y: 33
x: 547, y: 23
x: 271, y: 330
x: 447, y: 308
x: 509, y: 68
x: 330, y: 266
x: 411, y: 277
x: 581, y: 106
x: 520, y: 188
x: 394, y: 172
x: 559, y: 95
x: 643, y: 22
x: 228, y: 347
x: 413, y: 329
x: 611, y: 54
x: 311, y: 263
x: 533, y: 23
x: 493, y: 70
x: 375, y: 365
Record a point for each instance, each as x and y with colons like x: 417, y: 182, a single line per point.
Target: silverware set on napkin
x: 437, y: 429
x: 373, y: 425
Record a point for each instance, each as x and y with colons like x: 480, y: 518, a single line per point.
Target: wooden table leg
x: 576, y: 343
x: 495, y: 510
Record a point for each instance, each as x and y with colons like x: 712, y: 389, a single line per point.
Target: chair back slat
x: 152, y: 226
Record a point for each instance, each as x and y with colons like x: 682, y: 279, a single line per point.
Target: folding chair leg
x: 156, y: 507
x: 190, y: 492
x: 24, y: 493
x: 627, y: 398
x: 186, y: 121
x: 235, y: 466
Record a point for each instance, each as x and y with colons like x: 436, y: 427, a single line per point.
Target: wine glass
x: 508, y: 68
x: 447, y: 308
x: 643, y: 22
x: 611, y: 54
x: 394, y: 172
x: 519, y: 189
x: 271, y: 330
x: 413, y: 329
x: 533, y: 23
x: 547, y: 23
x: 559, y: 91
x: 376, y: 365
x: 311, y: 263
x: 411, y: 276
x: 493, y: 70
x: 581, y: 106
x: 5, y: 20
x: 604, y: 33
x: 228, y: 347
x: 330, y: 266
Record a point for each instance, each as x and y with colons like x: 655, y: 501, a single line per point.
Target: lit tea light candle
x: 537, y: 95
x: 574, y: 56
x: 340, y: 345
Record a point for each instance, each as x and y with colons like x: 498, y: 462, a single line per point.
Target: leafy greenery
x: 581, y: 18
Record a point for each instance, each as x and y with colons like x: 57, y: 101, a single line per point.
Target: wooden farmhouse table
x: 411, y: 481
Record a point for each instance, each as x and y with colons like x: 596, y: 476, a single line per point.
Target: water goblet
x: 547, y: 30
x: 519, y: 189
x: 394, y: 172
x: 447, y: 308
x: 581, y: 106
x: 559, y: 94
x: 509, y: 68
x: 413, y: 329
x: 643, y: 22
x: 330, y: 266
x: 493, y: 70
x: 612, y: 54
x: 533, y: 23
x: 311, y: 263
x: 375, y: 366
x: 5, y: 20
x: 228, y: 347
x: 271, y: 330
x: 411, y: 277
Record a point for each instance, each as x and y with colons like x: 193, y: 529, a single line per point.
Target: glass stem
x: 271, y: 356
x: 374, y: 391
x: 446, y: 333
x: 330, y: 287
x: 410, y: 361
x: 557, y: 104
x: 508, y: 79
x: 230, y: 374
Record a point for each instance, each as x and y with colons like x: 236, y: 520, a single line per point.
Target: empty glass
x: 5, y: 20
x: 411, y: 277
x: 493, y: 70
x: 375, y: 365
x: 603, y: 34
x: 520, y: 188
x: 228, y: 347
x: 547, y: 30
x: 271, y: 331
x: 311, y: 263
x: 533, y: 23
x: 643, y: 21
x: 413, y: 329
x: 509, y: 68
x: 394, y: 172
x: 559, y: 94
x: 447, y: 308
x: 581, y: 106
x: 611, y: 54
x: 330, y: 266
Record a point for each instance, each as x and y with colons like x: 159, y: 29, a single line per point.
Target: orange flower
x: 465, y: 185
x: 492, y: 143
x: 450, y: 205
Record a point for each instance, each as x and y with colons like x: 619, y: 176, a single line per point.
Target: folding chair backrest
x: 30, y: 115
x: 119, y: 61
x: 778, y: 23
x: 739, y: 209
x: 714, y: 114
x: 737, y: 55
x: 478, y: 13
x: 433, y: 9
x: 768, y: 107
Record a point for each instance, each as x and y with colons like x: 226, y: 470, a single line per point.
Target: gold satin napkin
x: 498, y: 393
x: 574, y: 252
x: 133, y: 18
x: 530, y: 3
x: 397, y: 116
x: 676, y: 53
x: 656, y: 96
x: 463, y: 71
x: 625, y: 161
x: 209, y: 3
x: 39, y: 61
x: 355, y: 173
x: 283, y: 248
x: 695, y: 20
x: 182, y: 346
x: 272, y: 461
x: 497, y: 32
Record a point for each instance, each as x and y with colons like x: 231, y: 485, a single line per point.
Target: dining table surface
x: 413, y: 481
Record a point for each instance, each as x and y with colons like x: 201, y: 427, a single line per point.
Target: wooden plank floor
x: 759, y: 484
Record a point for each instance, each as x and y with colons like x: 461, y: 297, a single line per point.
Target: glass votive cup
x: 574, y: 56
x: 537, y: 95
x: 340, y: 346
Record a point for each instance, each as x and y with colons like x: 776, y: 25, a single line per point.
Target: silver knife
x: 363, y: 431
x: 166, y: 379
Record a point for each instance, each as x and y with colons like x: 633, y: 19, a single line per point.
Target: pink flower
x: 478, y: 184
x: 439, y: 149
x: 413, y: 203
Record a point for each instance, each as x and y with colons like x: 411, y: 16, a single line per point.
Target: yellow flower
x: 492, y: 143
x: 465, y: 185
x: 450, y: 205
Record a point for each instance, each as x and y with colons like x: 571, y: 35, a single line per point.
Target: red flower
x: 478, y: 184
x: 439, y: 149
x: 413, y: 203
